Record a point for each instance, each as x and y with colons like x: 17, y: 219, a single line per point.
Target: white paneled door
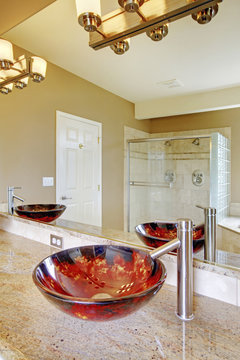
x: 78, y: 168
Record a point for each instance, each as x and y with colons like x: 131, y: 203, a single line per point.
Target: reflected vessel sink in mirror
x: 40, y: 212
x: 156, y: 234
x: 100, y: 282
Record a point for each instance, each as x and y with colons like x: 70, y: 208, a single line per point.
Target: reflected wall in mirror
x: 28, y: 118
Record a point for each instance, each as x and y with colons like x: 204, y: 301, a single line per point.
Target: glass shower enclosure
x: 168, y: 177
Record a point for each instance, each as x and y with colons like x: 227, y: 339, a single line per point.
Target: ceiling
x: 201, y: 57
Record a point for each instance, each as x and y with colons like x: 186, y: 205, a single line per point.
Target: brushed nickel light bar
x: 135, y: 17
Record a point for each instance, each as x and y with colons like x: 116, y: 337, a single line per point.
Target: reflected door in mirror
x: 78, y: 168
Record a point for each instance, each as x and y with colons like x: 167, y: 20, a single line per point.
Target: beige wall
x: 27, y: 136
x: 207, y: 120
x: 14, y: 12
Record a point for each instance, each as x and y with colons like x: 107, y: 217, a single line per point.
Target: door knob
x: 66, y: 198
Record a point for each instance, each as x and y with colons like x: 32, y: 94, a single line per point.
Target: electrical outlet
x: 47, y: 181
x: 56, y: 241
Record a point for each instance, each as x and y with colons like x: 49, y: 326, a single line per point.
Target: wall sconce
x: 137, y: 16
x: 17, y: 72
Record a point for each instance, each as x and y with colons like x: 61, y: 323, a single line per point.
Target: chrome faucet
x: 210, y: 233
x: 11, y: 197
x: 184, y: 246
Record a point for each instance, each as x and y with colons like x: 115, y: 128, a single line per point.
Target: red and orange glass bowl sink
x: 40, y: 212
x: 155, y: 234
x: 100, y: 282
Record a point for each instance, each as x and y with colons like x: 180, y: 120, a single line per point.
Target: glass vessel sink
x: 40, y: 212
x: 156, y: 234
x: 100, y: 282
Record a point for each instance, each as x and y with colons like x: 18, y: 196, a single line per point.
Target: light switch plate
x: 48, y: 181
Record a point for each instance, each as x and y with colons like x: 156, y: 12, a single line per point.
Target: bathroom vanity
x: 31, y: 328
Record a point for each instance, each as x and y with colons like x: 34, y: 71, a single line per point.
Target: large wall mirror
x: 102, y: 87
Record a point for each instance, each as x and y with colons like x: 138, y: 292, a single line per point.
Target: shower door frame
x: 145, y: 140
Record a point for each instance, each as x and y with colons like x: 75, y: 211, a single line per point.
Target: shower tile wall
x: 149, y: 163
x: 163, y: 202
x: 220, y: 188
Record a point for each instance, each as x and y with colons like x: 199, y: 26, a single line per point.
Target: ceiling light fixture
x: 17, y: 72
x: 89, y: 14
x: 158, y: 33
x: 121, y: 47
x: 131, y: 5
x: 205, y: 16
x: 136, y: 17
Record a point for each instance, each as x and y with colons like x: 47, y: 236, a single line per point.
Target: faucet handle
x: 200, y: 207
x: 10, y: 188
x: 208, y: 210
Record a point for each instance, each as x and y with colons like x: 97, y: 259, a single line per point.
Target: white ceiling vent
x: 173, y: 83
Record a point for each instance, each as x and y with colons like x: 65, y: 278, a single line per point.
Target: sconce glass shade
x: 38, y: 68
x: 6, y: 54
x: 6, y: 89
x: 88, y: 6
x: 121, y: 47
x: 89, y: 14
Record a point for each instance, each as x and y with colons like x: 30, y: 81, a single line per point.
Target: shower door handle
x: 66, y: 198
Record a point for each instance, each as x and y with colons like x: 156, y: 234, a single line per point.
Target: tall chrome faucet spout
x: 210, y: 233
x: 184, y: 246
x: 11, y: 197
x: 18, y: 198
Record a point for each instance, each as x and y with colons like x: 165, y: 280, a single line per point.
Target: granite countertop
x: 33, y: 329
